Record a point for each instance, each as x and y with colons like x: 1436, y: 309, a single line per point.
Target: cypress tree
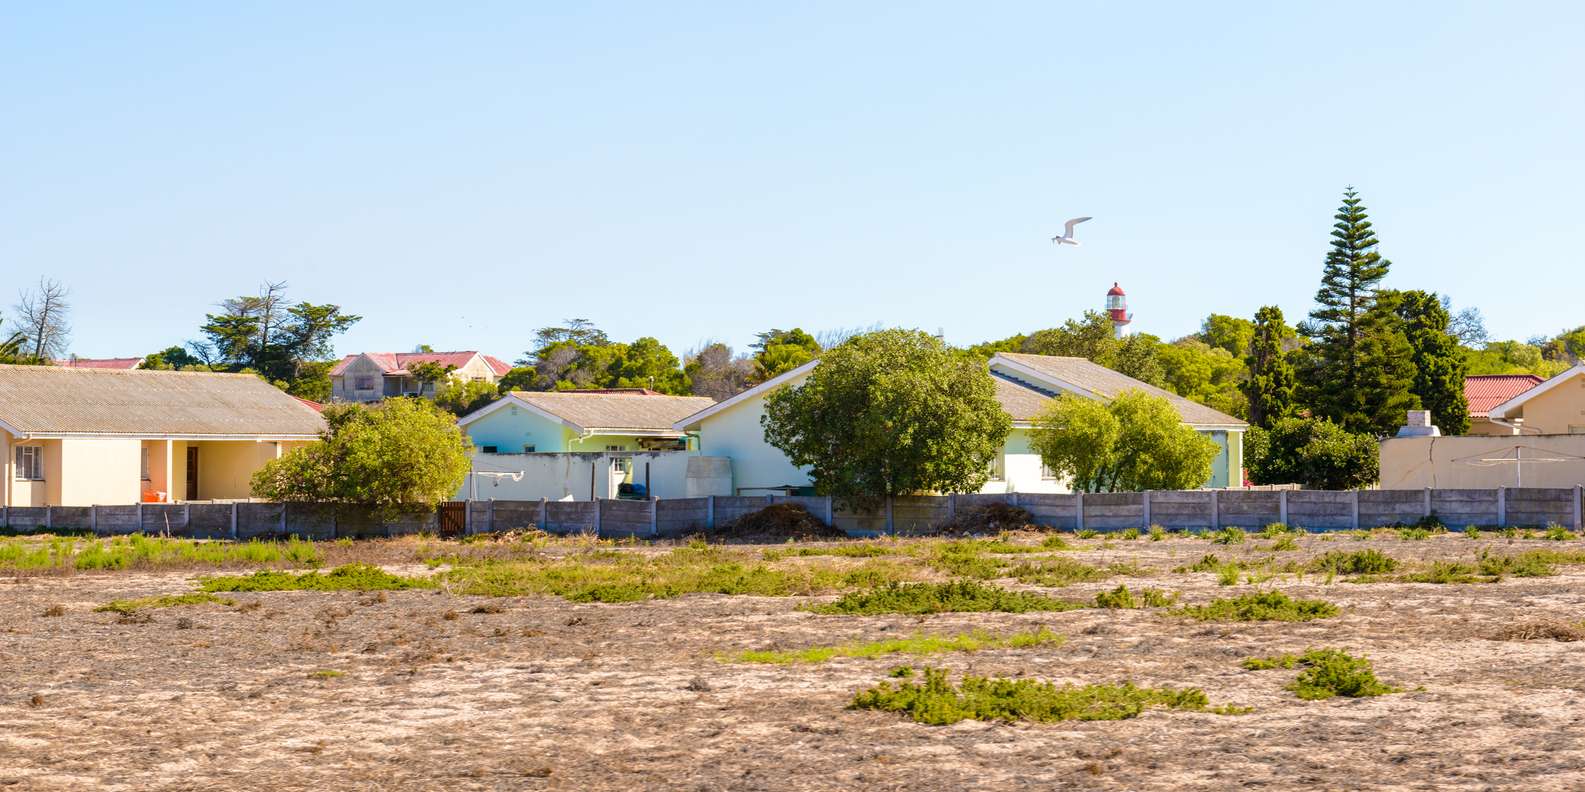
x: 1359, y: 370
x: 1270, y: 386
x: 1438, y: 361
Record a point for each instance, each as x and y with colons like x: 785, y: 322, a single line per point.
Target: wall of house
x: 32, y: 492
x: 476, y: 369
x: 736, y: 433
x: 94, y: 470
x: 1482, y: 427
x: 1020, y: 469
x: 571, y: 476
x: 512, y: 428
x: 1560, y: 410
x: 226, y: 468
x: 1454, y: 462
x: 343, y: 387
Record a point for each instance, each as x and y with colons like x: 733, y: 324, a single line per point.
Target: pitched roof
x: 48, y: 400
x: 1097, y: 381
x: 397, y: 362
x: 623, y: 410
x: 1485, y: 391
x: 1019, y: 401
x: 125, y: 364
x: 1502, y: 410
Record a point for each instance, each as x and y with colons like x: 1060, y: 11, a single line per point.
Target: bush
x: 1327, y: 673
x: 960, y: 596
x: 917, y: 644
x: 1260, y: 606
x: 937, y: 702
x: 1312, y: 452
x: 1358, y: 562
x: 1121, y: 598
x: 350, y: 577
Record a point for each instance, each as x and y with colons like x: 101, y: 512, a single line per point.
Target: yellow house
x: 83, y: 436
x: 1556, y: 406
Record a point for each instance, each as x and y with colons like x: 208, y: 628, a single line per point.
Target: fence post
x: 1427, y: 503
x: 93, y: 519
x: 1502, y: 507
x: 49, y: 517
x: 1144, y: 507
x: 831, y: 514
x: 467, y: 517
x: 654, y: 524
x: 491, y: 527
x: 140, y: 516
x: 599, y: 517
x: 1282, y: 506
x: 952, y: 506
x: 234, y: 521
x: 1078, y: 510
x: 187, y: 517
x: 1216, y: 512
x: 709, y: 512
x: 1353, y: 500
x: 891, y: 528
x: 5, y: 516
x: 1579, y: 495
x: 284, y: 508
x: 543, y: 517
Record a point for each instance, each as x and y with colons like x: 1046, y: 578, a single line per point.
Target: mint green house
x: 591, y: 421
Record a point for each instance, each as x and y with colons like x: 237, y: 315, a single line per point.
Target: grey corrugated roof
x: 596, y: 410
x: 1106, y: 383
x: 54, y: 400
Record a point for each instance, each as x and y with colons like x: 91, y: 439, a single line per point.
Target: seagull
x: 1066, y: 238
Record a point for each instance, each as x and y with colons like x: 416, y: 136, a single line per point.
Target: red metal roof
x: 124, y: 364
x: 1486, y: 391
x: 1115, y: 291
x: 397, y: 362
x: 311, y: 404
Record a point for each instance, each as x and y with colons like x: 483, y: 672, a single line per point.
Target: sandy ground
x: 545, y: 694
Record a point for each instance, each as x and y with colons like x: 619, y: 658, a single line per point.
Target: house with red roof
x: 372, y: 376
x: 1485, y: 391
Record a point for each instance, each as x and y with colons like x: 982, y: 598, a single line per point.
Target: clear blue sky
x: 462, y: 173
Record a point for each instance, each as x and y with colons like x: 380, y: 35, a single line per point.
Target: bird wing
x: 1067, y: 228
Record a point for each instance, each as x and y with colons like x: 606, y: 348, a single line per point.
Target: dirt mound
x: 989, y: 518
x: 778, y: 521
x: 1542, y: 630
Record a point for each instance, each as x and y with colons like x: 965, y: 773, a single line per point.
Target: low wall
x: 1315, y: 510
x: 1471, y: 462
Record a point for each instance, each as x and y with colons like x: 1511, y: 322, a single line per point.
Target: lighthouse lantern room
x: 1117, y: 309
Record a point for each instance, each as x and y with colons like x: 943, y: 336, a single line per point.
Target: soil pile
x: 987, y: 519
x: 779, y: 521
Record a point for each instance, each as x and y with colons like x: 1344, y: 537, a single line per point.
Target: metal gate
x: 453, y: 518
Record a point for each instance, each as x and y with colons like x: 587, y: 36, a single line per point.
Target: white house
x: 1024, y: 385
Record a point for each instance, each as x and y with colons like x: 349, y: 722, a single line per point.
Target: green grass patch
x: 1327, y: 673
x: 1057, y: 572
x: 855, y: 550
x: 1157, y: 533
x: 1277, y: 529
x: 1121, y: 598
x: 351, y: 577
x: 167, y: 601
x: 1284, y: 543
x: 917, y: 644
x: 1227, y: 536
x: 958, y: 596
x: 1086, y: 533
x: 1357, y: 562
x: 1260, y: 606
x: 936, y: 701
x: 137, y: 551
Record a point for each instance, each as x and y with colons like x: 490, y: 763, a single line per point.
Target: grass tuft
x: 959, y: 596
x: 1357, y: 562
x: 1230, y: 535
x: 1327, y: 673
x: 1260, y: 606
x: 917, y: 644
x: 350, y: 577
x: 127, y: 606
x: 1121, y: 598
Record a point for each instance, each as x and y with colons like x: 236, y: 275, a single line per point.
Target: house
x: 1025, y: 384
x: 611, y: 420
x: 85, y: 436
x: 120, y: 364
x: 1485, y: 391
x: 372, y: 376
x: 1556, y: 406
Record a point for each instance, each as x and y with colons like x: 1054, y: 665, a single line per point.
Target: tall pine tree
x: 1359, y: 370
x: 1438, y: 361
x: 1271, y: 384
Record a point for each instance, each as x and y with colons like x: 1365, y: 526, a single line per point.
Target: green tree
x: 1093, y: 338
x: 780, y: 351
x: 891, y: 412
x: 172, y: 358
x: 714, y: 371
x: 399, y: 456
x: 1271, y: 384
x: 1438, y: 362
x: 1203, y: 373
x: 1135, y: 442
x: 647, y: 363
x: 1232, y: 333
x: 1313, y: 453
x: 1359, y: 368
x: 460, y: 397
x: 430, y: 373
x: 267, y: 335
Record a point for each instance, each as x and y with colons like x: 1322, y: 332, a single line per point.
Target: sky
x: 460, y: 174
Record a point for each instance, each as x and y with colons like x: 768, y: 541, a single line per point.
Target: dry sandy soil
x: 546, y: 694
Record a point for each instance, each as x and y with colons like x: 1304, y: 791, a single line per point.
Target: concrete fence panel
x: 27, y: 518
x: 1180, y: 510
x: 115, y: 520
x: 623, y: 518
x: 207, y: 520
x: 682, y: 516
x: 1390, y: 507
x: 320, y: 521
x: 508, y: 516
x: 1248, y: 509
x: 1052, y: 511
x: 570, y: 517
x: 860, y: 522
x: 918, y: 514
x: 260, y: 520
x: 731, y: 507
x: 165, y: 518
x: 1457, y: 508
x: 72, y: 518
x: 1114, y: 511
x: 1319, y: 510
x: 1538, y: 506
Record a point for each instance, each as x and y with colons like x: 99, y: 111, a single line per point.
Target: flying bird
x: 1066, y: 237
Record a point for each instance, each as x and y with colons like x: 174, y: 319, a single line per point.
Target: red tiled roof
x: 397, y: 362
x: 124, y: 364
x: 311, y: 404
x: 1486, y: 391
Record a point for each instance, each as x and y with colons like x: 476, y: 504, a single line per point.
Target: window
x: 996, y: 468
x: 143, y: 463
x: 610, y: 448
x: 363, y: 382
x: 30, y: 463
x: 1046, y: 472
x: 489, y: 449
x: 1576, y: 428
x: 528, y: 449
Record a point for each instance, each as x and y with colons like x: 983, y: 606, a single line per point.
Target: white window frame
x: 1046, y: 473
x: 29, y: 463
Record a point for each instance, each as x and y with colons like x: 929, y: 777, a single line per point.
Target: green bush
x: 1358, y: 562
x: 1312, y: 452
x: 959, y: 596
x: 1260, y: 606
x: 1227, y: 536
x: 1327, y: 673
x: 918, y: 644
x: 937, y: 702
x: 350, y: 577
x: 1121, y: 598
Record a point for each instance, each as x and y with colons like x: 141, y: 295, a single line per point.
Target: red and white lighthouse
x: 1117, y: 309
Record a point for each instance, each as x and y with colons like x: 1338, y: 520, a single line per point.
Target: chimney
x: 1418, y: 424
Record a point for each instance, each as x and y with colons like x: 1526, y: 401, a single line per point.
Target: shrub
x: 1227, y: 536
x: 350, y: 577
x: 1227, y: 574
x: 1121, y: 598
x: 1558, y: 533
x: 1274, y: 530
x: 1128, y: 534
x: 1260, y: 606
x: 1087, y: 533
x: 1472, y: 532
x: 1284, y: 543
x: 960, y: 596
x: 1358, y: 562
x: 1313, y: 452
x: 1157, y: 533
x: 936, y: 701
x: 1056, y: 572
x: 918, y: 644
x: 1327, y: 673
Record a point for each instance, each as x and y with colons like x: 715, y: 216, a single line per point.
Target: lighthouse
x: 1117, y: 309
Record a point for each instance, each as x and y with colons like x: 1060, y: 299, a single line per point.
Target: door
x: 192, y: 473
x: 453, y: 518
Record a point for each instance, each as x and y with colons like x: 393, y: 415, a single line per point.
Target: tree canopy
x: 1439, y: 365
x: 1271, y: 385
x: 779, y: 351
x: 891, y: 412
x: 1314, y: 453
x: 1134, y: 442
x: 399, y: 455
x: 286, y: 343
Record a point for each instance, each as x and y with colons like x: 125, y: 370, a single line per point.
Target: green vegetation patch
x: 1327, y: 673
x: 1260, y: 606
x: 1358, y: 562
x: 351, y: 577
x: 137, y: 551
x: 854, y: 550
x: 917, y: 644
x: 167, y: 601
x: 1121, y: 598
x: 1227, y: 536
x: 958, y: 596
x: 1057, y: 572
x: 937, y: 702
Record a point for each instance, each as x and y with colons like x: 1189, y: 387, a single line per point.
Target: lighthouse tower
x: 1117, y: 308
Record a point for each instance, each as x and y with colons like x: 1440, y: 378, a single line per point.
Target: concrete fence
x: 1314, y: 510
